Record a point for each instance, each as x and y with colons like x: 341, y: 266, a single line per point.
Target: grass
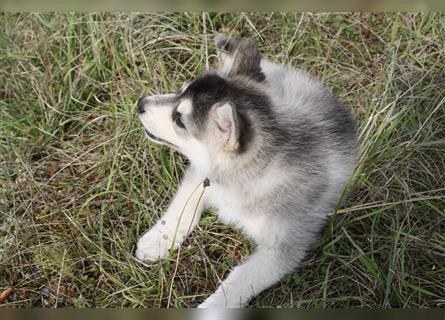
x: 79, y: 183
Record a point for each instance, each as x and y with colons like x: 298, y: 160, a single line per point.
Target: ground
x: 79, y: 183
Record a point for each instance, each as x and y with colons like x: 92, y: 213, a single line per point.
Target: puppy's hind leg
x: 180, y: 219
x: 261, y: 270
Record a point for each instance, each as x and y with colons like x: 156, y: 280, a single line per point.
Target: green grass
x: 79, y: 183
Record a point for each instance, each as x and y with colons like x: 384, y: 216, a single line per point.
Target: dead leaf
x: 5, y: 294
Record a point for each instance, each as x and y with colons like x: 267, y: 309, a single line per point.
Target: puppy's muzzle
x: 141, y: 105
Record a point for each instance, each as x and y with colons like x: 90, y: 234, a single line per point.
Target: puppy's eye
x: 178, y: 121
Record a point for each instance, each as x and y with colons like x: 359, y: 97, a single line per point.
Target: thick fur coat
x: 278, y: 150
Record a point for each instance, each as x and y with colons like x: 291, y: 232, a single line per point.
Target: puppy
x: 277, y: 150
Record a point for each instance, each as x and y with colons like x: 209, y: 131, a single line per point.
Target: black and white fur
x: 278, y: 149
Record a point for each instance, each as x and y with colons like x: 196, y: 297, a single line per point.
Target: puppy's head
x: 212, y: 116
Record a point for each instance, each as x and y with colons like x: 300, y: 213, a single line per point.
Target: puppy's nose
x: 141, y: 104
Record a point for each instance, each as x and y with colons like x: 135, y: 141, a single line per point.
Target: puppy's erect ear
x: 238, y: 58
x: 227, y: 123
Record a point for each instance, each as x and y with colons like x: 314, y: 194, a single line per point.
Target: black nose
x: 141, y: 104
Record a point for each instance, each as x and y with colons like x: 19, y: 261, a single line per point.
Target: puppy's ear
x: 227, y: 124
x: 226, y: 44
x: 238, y: 58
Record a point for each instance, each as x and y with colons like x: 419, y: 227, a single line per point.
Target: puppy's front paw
x: 154, y: 245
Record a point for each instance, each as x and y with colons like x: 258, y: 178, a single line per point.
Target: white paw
x: 213, y: 302
x: 217, y: 300
x: 155, y: 244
